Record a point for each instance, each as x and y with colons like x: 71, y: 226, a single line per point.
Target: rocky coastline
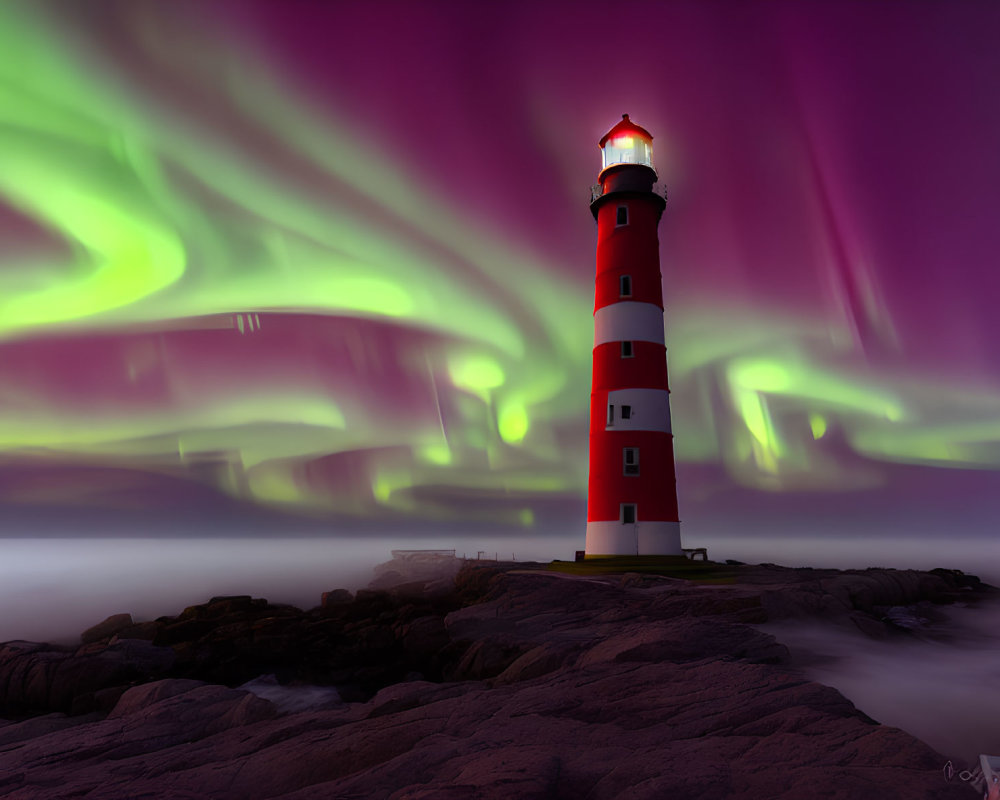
x: 475, y: 680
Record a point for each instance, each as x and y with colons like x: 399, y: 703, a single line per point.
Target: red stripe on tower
x: 632, y: 495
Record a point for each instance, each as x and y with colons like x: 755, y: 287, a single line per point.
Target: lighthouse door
x: 630, y: 517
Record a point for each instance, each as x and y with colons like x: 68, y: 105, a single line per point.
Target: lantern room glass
x: 627, y: 148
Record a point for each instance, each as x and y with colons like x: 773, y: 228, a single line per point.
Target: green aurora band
x: 158, y: 222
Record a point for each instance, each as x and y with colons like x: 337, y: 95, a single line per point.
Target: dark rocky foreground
x: 506, y: 682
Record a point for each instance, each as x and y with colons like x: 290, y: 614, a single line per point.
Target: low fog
x: 942, y: 688
x: 52, y: 589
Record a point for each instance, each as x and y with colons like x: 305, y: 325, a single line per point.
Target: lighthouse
x: 632, y: 494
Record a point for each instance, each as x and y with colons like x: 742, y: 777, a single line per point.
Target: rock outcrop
x: 107, y: 628
x: 516, y: 683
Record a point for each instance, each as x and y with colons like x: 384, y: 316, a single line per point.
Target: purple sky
x: 335, y: 260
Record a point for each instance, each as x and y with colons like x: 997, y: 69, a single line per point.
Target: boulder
x: 538, y: 661
x: 141, y: 630
x: 337, y: 597
x: 487, y: 659
x: 107, y: 628
x: 149, y: 694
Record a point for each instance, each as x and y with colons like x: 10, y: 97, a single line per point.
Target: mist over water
x: 942, y: 692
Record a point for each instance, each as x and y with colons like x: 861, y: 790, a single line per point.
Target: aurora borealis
x: 335, y: 259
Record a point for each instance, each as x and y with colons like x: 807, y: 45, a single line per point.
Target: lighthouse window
x: 626, y: 412
x: 622, y: 215
x: 630, y: 455
x: 628, y: 513
x: 611, y: 415
x: 626, y: 349
x: 625, y: 285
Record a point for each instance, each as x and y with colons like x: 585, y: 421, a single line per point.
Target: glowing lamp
x: 627, y: 143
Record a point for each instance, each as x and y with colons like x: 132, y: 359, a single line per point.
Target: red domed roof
x: 625, y: 126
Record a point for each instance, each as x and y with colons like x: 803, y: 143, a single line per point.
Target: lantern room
x: 626, y: 143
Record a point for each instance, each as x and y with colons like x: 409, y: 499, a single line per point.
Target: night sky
x: 277, y: 259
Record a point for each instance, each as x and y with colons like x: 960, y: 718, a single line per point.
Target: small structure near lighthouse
x: 632, y: 495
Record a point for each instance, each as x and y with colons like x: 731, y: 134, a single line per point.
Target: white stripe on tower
x: 629, y: 321
x: 648, y: 410
x: 651, y: 537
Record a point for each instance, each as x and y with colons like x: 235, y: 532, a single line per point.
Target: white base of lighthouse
x: 644, y: 538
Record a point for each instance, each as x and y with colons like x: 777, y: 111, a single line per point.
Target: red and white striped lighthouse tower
x: 632, y: 496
